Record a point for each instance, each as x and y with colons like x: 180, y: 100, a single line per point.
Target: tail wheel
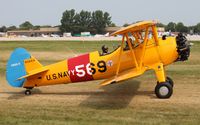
x: 170, y: 81
x: 163, y: 90
x: 27, y: 92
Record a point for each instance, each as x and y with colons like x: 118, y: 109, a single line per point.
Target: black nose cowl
x: 183, y: 47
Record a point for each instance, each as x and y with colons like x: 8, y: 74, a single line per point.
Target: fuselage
x: 94, y: 66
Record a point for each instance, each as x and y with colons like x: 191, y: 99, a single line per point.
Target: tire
x: 27, y: 92
x: 170, y: 81
x: 163, y: 90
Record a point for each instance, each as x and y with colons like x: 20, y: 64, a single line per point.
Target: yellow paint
x: 56, y: 68
x: 31, y: 64
x: 153, y: 53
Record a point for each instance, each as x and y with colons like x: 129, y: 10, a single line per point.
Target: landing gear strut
x: 164, y: 87
x: 171, y: 82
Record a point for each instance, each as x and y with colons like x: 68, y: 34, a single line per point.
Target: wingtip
x: 105, y: 83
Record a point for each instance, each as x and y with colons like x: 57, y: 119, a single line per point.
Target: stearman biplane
x: 141, y: 50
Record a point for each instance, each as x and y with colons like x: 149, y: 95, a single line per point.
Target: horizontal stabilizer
x: 123, y: 76
x: 34, y: 72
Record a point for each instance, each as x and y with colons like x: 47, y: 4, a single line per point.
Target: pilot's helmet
x: 104, y: 48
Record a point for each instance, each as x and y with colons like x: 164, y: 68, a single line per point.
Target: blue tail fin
x: 15, y: 67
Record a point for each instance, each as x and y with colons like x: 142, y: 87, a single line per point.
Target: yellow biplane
x: 141, y: 50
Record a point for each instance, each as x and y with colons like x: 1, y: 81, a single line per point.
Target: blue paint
x: 15, y: 67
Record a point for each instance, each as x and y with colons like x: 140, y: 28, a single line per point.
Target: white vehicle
x: 67, y: 34
x: 45, y: 36
x: 54, y: 35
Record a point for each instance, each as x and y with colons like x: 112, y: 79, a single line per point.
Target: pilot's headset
x: 104, y: 49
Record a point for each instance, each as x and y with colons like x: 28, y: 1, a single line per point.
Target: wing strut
x: 119, y: 58
x: 132, y: 51
x: 144, y: 46
x: 139, y: 69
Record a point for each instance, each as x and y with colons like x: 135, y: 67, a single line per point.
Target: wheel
x: 163, y: 90
x: 171, y: 82
x: 28, y: 92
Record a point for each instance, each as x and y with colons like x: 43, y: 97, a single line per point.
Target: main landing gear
x: 164, y: 90
x: 28, y: 91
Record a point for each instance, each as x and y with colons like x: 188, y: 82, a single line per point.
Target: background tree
x: 68, y: 21
x: 191, y: 29
x: 160, y: 25
x: 197, y: 28
x: 171, y: 27
x: 100, y: 20
x: 107, y: 19
x: 82, y: 21
x: 37, y: 27
x: 112, y: 25
x: 11, y: 28
x: 126, y: 24
x: 95, y: 22
x: 26, y: 25
x: 45, y: 26
x: 181, y: 28
x: 3, y: 29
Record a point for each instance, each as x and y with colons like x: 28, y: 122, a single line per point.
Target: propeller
x: 183, y: 47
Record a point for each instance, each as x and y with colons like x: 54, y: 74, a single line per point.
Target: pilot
x: 164, y: 37
x: 104, y: 50
x: 127, y: 47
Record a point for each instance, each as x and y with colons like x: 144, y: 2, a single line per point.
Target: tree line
x: 71, y: 21
x: 24, y: 26
x: 180, y: 27
x: 95, y: 22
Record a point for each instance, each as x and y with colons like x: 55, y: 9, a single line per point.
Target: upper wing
x: 134, y: 27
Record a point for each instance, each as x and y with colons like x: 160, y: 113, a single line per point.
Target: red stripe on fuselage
x: 77, y: 69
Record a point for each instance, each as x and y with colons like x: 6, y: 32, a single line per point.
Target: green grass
x: 132, y: 102
x: 80, y: 115
x: 58, y: 46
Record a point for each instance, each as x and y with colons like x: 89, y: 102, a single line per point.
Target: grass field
x: 132, y: 102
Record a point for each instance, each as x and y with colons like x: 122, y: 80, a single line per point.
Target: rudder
x: 20, y: 64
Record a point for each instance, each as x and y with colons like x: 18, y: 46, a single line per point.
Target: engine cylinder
x: 183, y: 47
